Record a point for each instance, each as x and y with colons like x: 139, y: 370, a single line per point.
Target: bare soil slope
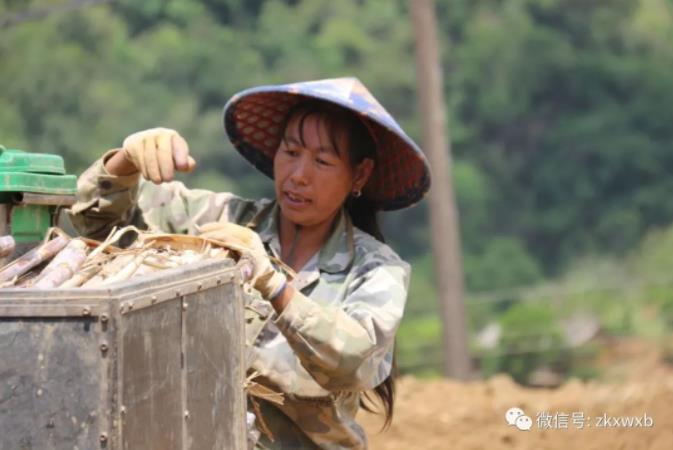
x: 443, y: 414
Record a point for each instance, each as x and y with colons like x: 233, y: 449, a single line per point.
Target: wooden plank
x: 50, y: 384
x: 150, y: 378
x: 214, y: 370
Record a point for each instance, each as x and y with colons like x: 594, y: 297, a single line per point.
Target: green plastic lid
x: 13, y: 160
x: 34, y: 172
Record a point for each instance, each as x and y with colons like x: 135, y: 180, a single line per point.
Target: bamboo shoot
x: 64, y: 265
x: 34, y: 257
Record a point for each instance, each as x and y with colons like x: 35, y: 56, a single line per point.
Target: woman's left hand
x: 266, y: 279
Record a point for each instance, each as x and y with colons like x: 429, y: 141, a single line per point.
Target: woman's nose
x: 302, y: 171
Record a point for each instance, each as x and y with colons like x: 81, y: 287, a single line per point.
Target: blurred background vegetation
x: 561, y: 116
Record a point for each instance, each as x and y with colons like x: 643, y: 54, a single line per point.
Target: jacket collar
x: 336, y: 255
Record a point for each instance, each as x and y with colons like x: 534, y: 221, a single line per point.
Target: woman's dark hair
x: 362, y: 211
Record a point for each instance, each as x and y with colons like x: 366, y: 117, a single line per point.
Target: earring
x: 357, y: 193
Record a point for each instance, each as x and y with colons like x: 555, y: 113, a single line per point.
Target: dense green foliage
x: 561, y: 111
x: 522, y: 326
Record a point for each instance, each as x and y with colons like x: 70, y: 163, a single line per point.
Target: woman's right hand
x: 156, y: 153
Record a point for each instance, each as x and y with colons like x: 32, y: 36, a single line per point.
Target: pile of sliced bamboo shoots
x: 65, y: 262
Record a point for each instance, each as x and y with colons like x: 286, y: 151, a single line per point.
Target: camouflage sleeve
x: 348, y: 347
x: 173, y: 208
x: 105, y: 201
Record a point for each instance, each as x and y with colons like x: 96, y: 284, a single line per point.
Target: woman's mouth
x: 296, y: 199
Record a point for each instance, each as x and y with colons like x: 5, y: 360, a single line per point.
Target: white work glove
x: 265, y: 278
x: 157, y: 153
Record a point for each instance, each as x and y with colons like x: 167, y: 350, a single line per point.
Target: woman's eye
x: 291, y: 152
x: 322, y: 162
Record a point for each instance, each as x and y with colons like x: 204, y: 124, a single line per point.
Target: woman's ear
x: 362, y: 173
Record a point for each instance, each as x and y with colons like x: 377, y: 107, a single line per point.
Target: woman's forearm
x: 341, y: 351
x: 118, y: 165
x: 283, y: 299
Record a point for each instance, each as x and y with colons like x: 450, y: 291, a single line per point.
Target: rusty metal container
x: 155, y: 363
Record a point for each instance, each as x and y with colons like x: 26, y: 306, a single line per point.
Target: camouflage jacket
x: 335, y: 337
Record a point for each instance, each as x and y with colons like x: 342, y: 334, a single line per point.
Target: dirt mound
x: 443, y: 414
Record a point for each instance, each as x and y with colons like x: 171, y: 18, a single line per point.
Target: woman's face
x: 312, y: 178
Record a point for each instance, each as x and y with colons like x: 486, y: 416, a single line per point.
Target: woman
x: 336, y: 158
